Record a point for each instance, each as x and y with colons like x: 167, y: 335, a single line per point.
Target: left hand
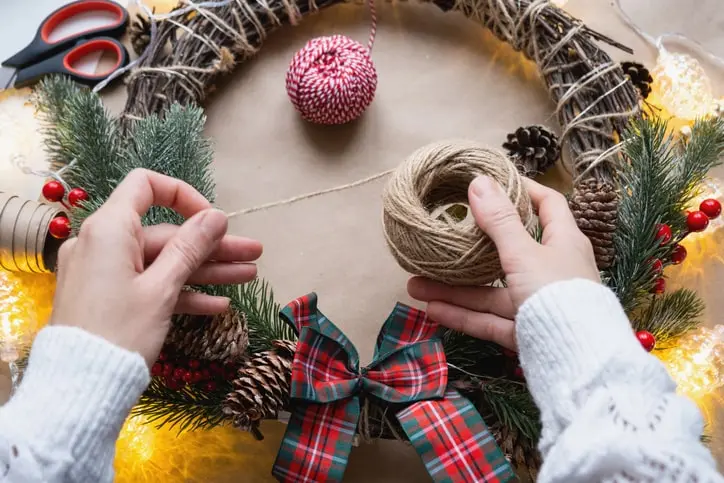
x: 122, y: 281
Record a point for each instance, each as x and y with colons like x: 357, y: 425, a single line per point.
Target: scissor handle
x: 63, y: 63
x: 41, y: 47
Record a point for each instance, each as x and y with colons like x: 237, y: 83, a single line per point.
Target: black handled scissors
x: 43, y: 56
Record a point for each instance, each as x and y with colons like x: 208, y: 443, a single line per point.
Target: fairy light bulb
x: 137, y: 437
x: 697, y: 362
x: 682, y: 85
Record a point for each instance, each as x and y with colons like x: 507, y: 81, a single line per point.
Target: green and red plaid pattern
x: 409, y: 367
x: 454, y: 452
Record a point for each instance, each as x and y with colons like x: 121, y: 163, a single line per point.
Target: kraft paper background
x: 440, y: 76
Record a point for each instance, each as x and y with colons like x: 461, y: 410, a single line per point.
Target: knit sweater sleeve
x: 609, y: 409
x: 62, y: 423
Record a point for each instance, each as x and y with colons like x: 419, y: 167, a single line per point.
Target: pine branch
x: 671, y: 315
x: 512, y: 405
x: 256, y: 300
x: 187, y: 408
x: 468, y: 353
x: 657, y: 181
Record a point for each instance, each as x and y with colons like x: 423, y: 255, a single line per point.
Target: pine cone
x: 533, y: 149
x: 261, y: 388
x: 595, y: 206
x: 640, y: 77
x: 222, y: 337
x: 519, y: 451
x: 139, y: 33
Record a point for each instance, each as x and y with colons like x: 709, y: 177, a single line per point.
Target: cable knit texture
x: 62, y: 424
x: 609, y: 409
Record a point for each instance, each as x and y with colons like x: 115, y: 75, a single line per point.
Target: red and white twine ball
x: 332, y: 80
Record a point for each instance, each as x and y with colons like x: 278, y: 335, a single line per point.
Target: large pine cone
x: 533, y: 149
x: 261, y: 388
x: 640, y: 77
x: 139, y: 33
x: 595, y: 207
x: 519, y: 451
x: 222, y: 337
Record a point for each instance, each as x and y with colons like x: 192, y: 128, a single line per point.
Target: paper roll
x: 25, y: 243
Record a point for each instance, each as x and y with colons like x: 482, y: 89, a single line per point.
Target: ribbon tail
x: 317, y: 442
x: 453, y: 441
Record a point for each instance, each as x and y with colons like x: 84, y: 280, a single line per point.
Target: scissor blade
x: 7, y: 77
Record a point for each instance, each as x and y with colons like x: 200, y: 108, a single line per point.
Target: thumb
x: 497, y: 217
x: 190, y: 247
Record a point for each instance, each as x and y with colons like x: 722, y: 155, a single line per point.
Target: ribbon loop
x: 409, y: 367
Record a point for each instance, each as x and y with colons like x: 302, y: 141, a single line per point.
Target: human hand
x: 564, y: 253
x: 123, y: 282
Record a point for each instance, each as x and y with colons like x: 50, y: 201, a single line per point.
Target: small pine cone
x: 640, y: 77
x: 595, y: 207
x: 519, y: 451
x: 261, y: 388
x: 533, y: 149
x: 222, y: 337
x: 139, y: 33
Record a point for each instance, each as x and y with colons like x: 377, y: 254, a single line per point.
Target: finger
x: 188, y: 249
x: 476, y: 324
x: 497, y: 217
x: 223, y: 273
x: 231, y: 248
x: 142, y: 189
x: 552, y: 206
x: 195, y: 303
x: 480, y: 299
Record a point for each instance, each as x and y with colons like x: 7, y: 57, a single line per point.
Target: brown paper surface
x: 440, y: 76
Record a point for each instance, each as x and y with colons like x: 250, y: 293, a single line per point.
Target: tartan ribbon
x: 409, y: 369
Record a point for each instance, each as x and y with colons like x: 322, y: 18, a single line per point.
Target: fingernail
x: 214, y: 223
x: 481, y: 186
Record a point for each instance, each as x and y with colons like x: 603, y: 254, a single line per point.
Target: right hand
x: 563, y: 254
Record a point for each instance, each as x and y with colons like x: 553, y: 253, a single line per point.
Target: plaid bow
x: 409, y: 368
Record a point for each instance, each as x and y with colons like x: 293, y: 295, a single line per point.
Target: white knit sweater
x: 609, y: 409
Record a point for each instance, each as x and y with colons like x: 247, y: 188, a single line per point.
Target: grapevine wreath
x: 236, y: 368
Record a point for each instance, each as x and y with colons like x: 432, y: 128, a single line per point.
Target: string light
x: 697, y: 362
x: 682, y: 86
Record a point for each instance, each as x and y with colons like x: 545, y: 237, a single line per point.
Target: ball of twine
x: 331, y: 80
x: 423, y: 237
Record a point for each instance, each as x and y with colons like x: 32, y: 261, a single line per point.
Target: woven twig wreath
x: 594, y: 99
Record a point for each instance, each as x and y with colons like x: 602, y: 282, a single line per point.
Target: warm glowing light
x: 682, y: 86
x: 146, y: 454
x: 25, y: 305
x: 697, y: 362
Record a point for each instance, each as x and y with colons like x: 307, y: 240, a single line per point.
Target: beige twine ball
x: 420, y: 231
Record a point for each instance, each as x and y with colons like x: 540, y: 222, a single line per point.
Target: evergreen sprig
x: 658, y: 179
x: 670, y: 316
x: 512, y: 405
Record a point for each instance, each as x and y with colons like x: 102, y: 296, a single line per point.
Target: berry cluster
x: 696, y: 221
x: 177, y: 372
x: 54, y: 191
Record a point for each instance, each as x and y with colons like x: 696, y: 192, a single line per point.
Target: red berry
x: 173, y: 384
x: 178, y: 374
x: 157, y: 369
x: 76, y: 196
x: 210, y: 386
x: 216, y: 369
x: 205, y: 374
x: 188, y: 377
x: 657, y: 266
x: 196, y: 376
x: 162, y: 356
x: 697, y: 221
x: 53, y: 191
x: 518, y: 372
x: 59, y: 227
x: 678, y: 255
x: 711, y: 207
x: 168, y: 370
x: 194, y: 364
x: 663, y: 233
x: 648, y: 342
x: 659, y: 286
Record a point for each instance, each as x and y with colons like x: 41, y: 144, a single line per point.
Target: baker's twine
x: 436, y: 245
x: 332, y: 80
